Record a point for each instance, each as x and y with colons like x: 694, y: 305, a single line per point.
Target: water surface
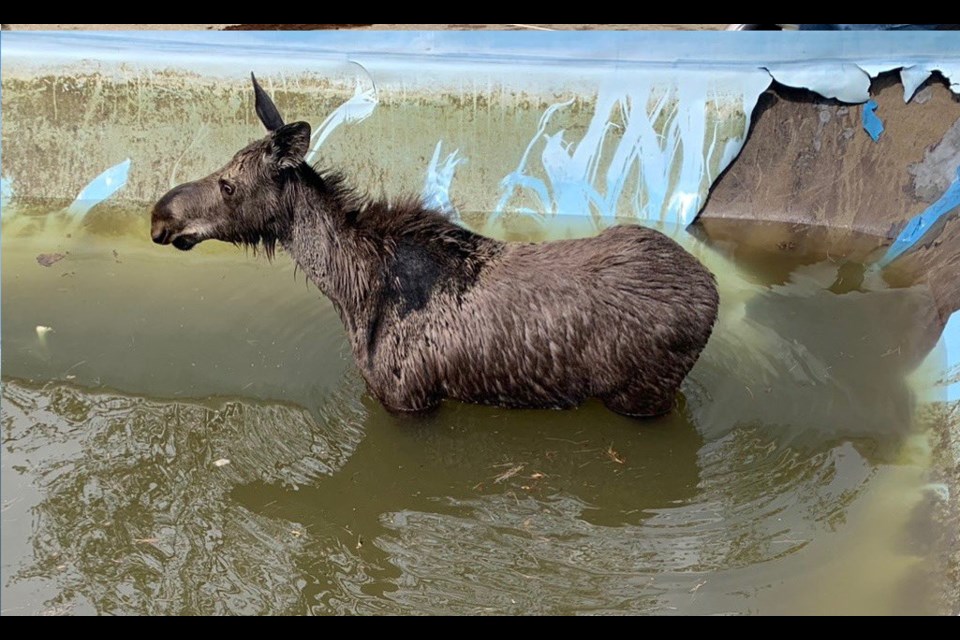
x: 787, y: 480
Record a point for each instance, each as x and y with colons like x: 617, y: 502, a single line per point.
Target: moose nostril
x: 161, y: 235
x: 159, y: 226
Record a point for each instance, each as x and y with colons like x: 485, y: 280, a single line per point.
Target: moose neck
x: 338, y: 260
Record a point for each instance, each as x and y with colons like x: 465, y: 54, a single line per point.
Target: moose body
x: 436, y: 311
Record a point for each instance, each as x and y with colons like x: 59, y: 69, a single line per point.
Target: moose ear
x: 290, y: 143
x: 266, y: 110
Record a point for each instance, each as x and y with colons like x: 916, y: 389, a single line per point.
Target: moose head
x: 243, y: 202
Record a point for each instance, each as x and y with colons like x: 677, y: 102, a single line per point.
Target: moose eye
x: 227, y: 188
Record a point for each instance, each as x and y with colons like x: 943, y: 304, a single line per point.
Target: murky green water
x: 788, y: 483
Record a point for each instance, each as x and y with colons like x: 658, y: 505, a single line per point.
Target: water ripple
x: 136, y: 518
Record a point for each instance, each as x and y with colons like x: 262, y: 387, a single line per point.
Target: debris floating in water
x: 222, y: 462
x: 509, y: 473
x: 42, y: 331
x: 614, y: 455
x: 47, y: 259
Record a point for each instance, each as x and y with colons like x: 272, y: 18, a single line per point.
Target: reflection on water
x: 192, y: 438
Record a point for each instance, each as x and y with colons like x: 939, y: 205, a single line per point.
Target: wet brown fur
x: 436, y: 311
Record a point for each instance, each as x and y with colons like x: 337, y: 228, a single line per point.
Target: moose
x: 435, y: 311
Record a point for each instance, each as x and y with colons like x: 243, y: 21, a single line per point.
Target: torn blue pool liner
x: 871, y: 121
x: 6, y: 193
x: 436, y: 188
x: 917, y: 227
x: 354, y: 111
x: 99, y: 189
x: 951, y: 340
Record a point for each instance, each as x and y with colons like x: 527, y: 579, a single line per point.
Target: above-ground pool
x: 186, y: 433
